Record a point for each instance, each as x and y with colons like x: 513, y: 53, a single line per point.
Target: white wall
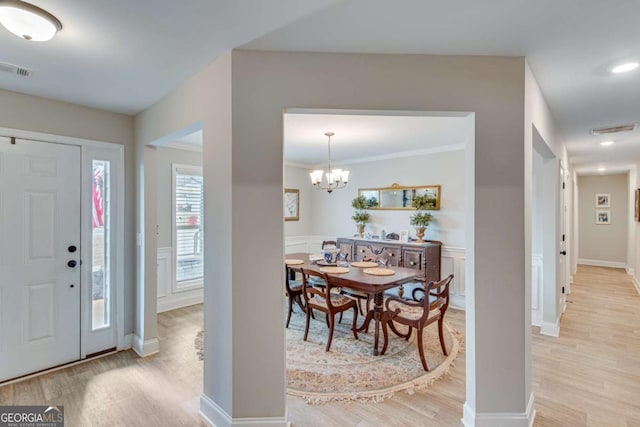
x: 31, y: 113
x: 540, y: 127
x: 166, y: 157
x: 603, y: 244
x: 332, y: 212
x: 298, y: 178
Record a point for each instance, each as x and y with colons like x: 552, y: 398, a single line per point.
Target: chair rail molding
x: 168, y: 297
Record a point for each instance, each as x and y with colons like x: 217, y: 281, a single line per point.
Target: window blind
x: 189, y: 238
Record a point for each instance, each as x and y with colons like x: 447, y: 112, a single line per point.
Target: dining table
x: 357, y: 279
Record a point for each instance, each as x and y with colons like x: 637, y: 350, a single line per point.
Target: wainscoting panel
x: 536, y: 289
x: 167, y: 298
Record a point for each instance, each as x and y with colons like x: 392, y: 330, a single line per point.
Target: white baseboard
x: 636, y: 284
x: 630, y: 271
x: 126, y: 342
x: 550, y: 329
x: 457, y: 301
x: 500, y: 419
x: 536, y: 317
x: 145, y: 348
x: 215, y: 416
x: 571, y: 278
x: 599, y: 263
x: 178, y: 301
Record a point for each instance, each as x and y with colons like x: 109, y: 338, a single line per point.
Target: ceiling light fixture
x: 336, y: 178
x: 28, y: 21
x: 607, y: 143
x: 624, y: 68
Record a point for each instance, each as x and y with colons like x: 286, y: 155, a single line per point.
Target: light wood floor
x: 590, y: 376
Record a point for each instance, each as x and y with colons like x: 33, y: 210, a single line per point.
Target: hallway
x: 591, y: 374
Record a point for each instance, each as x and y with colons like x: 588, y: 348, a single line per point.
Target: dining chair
x: 427, y: 307
x: 328, y: 300
x: 294, y: 292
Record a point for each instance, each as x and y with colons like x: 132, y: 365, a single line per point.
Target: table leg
x: 377, y: 314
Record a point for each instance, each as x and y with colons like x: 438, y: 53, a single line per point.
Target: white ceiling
x: 367, y: 137
x: 569, y: 44
x: 122, y: 56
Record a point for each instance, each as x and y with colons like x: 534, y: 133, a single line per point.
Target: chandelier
x: 336, y: 178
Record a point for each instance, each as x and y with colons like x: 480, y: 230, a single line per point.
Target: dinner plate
x: 379, y: 271
x: 293, y: 261
x: 334, y: 270
x: 364, y: 264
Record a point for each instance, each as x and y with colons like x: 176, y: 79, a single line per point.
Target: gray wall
x: 331, y: 213
x: 245, y: 167
x: 37, y: 114
x: 603, y: 242
x: 166, y: 157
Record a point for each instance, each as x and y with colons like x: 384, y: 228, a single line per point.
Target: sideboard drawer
x: 413, y: 259
x: 376, y: 252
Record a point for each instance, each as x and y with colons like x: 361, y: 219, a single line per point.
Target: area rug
x: 349, y: 371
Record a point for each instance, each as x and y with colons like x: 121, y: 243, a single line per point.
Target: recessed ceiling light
x: 607, y: 143
x: 623, y: 68
x: 27, y: 21
x: 602, y: 169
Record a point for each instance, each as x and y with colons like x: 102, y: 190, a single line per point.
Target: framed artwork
x: 603, y: 200
x: 291, y: 204
x: 404, y: 236
x: 603, y: 217
x: 637, y: 204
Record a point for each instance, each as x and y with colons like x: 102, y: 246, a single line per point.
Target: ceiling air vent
x: 15, y: 69
x: 614, y: 129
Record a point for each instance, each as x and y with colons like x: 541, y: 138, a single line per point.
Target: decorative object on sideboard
x: 361, y: 217
x: 291, y: 204
x: 336, y: 178
x: 398, y: 197
x: 421, y: 219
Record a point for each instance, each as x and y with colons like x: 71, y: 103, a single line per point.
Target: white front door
x: 39, y: 256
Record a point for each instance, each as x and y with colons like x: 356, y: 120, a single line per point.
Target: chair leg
x: 326, y: 319
x: 385, y: 334
x: 331, y: 322
x: 440, y: 333
x: 421, y: 350
x: 354, y: 326
x: 340, y: 317
x: 290, y: 311
x: 359, y: 302
x: 408, y: 334
x: 397, y: 332
x: 306, y: 328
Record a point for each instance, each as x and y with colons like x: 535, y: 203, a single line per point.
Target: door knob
x: 72, y: 249
x: 563, y: 252
x: 72, y: 263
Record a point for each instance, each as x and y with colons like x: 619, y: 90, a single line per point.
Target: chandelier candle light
x: 336, y: 178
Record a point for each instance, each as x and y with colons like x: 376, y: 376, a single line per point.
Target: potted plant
x: 361, y: 217
x: 421, y: 219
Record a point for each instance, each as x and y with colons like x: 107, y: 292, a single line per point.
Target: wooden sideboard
x: 420, y: 256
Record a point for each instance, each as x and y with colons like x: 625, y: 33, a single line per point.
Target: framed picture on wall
x: 603, y: 200
x: 291, y: 204
x: 637, y: 204
x: 603, y: 217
